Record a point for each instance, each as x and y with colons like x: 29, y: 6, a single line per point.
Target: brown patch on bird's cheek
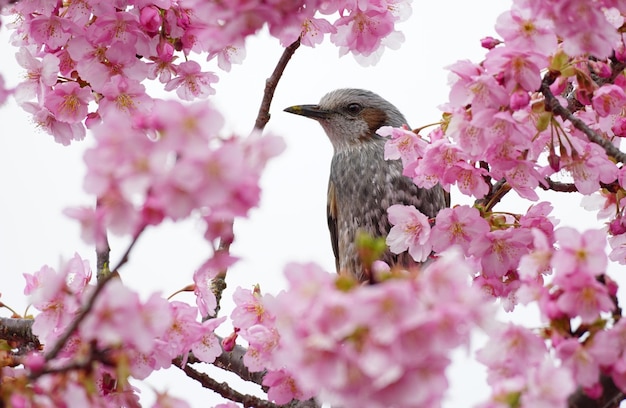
x: 375, y: 119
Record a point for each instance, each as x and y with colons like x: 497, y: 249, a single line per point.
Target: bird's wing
x: 331, y: 213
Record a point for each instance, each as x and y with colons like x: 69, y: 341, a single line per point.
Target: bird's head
x: 351, y: 117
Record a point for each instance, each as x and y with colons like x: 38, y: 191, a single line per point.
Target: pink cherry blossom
x: 125, y: 96
x: 191, y: 83
x: 249, y: 309
x: 548, y: 385
x: 608, y: 99
x: 586, y: 298
x: 410, y: 230
x: 52, y: 31
x: 519, y: 68
x: 41, y: 74
x: 63, y: 133
x: 403, y: 144
x: 262, y: 341
x: 313, y: 30
x: 579, y: 252
x: 618, y: 248
x: 577, y: 359
x: 589, y: 167
x: 526, y: 32
x: 207, y: 346
x: 369, y: 346
x: 162, y: 66
x: 68, y: 102
x: 507, y: 347
x: 232, y: 54
x: 203, y: 281
x: 537, y: 262
x: 119, y: 318
x: 501, y: 250
x: 283, y: 388
x: 361, y: 31
x: 469, y: 179
x: 459, y: 225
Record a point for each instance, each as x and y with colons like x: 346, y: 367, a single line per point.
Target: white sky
x: 39, y: 177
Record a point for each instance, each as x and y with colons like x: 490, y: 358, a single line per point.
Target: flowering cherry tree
x: 545, y: 109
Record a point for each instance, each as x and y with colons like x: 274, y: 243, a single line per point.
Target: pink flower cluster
x: 520, y: 369
x: 255, y: 324
x: 167, y: 163
x: 364, y: 346
x: 500, y: 124
x: 508, y: 126
x: 121, y: 336
x: 89, y: 51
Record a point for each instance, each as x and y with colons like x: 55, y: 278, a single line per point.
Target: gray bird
x: 362, y: 183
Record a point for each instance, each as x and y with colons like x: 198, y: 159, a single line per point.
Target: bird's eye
x: 354, y: 109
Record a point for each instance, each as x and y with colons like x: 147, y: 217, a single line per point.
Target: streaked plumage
x: 362, y: 184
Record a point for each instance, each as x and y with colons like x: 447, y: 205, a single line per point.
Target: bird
x: 362, y: 184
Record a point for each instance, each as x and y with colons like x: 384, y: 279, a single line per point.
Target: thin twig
x: 126, y: 255
x: 270, y: 85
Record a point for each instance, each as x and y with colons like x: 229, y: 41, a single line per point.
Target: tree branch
x: 126, y: 255
x: 270, y: 85
x: 19, y: 332
x: 558, y: 187
x: 228, y: 392
x: 233, y: 361
x: 611, y: 396
x: 496, y: 193
x: 553, y: 105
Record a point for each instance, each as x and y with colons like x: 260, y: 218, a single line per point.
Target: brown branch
x: 228, y: 392
x: 263, y: 116
x: 611, y: 396
x: 496, y: 193
x: 126, y: 255
x: 19, y: 332
x: 102, y: 260
x: 222, y: 388
x: 553, y: 105
x: 270, y: 85
x: 558, y: 187
x: 233, y: 361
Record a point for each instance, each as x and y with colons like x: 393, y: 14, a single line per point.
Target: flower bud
x: 489, y: 42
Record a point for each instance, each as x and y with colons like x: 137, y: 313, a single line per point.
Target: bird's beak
x: 310, y: 111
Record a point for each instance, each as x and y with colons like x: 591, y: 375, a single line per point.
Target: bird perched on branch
x: 362, y: 183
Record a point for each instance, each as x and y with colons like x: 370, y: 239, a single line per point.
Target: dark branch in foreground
x: 228, y: 392
x: 610, y: 398
x: 19, y: 332
x: 558, y: 186
x: 496, y: 193
x: 553, y: 105
x: 233, y: 361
